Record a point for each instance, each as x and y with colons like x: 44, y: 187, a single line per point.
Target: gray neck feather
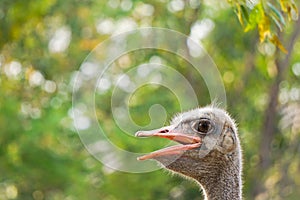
x: 220, y: 180
x: 224, y: 184
x: 222, y: 188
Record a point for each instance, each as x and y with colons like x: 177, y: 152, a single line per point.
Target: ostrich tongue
x: 172, y: 150
x: 187, y: 142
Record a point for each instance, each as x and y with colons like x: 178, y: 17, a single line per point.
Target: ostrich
x: 209, y: 151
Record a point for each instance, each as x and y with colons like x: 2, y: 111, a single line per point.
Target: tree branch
x: 270, y: 121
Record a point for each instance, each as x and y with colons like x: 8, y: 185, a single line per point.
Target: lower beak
x: 187, y: 142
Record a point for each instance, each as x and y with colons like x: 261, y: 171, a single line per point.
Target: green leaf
x: 277, y: 13
x: 278, y: 24
x: 255, y: 17
x: 290, y: 8
x: 295, y: 10
x: 275, y: 40
x: 264, y: 28
x: 245, y: 13
x: 240, y: 16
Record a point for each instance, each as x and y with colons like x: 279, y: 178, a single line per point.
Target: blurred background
x: 42, y: 45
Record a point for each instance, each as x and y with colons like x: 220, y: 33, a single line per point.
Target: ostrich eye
x: 203, y: 126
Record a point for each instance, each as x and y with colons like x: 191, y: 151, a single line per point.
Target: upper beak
x: 187, y: 142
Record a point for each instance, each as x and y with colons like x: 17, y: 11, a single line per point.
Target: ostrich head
x: 208, y: 151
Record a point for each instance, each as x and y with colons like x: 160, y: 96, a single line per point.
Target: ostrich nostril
x: 164, y: 131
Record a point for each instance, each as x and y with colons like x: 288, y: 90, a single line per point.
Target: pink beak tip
x: 137, y: 134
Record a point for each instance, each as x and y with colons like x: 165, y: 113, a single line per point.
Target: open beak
x: 187, y: 142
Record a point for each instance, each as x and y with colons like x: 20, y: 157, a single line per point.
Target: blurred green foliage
x: 41, y: 154
x: 266, y: 16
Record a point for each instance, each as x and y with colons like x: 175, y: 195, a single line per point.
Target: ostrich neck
x: 224, y: 185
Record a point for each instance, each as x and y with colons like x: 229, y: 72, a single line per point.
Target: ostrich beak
x: 187, y: 142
